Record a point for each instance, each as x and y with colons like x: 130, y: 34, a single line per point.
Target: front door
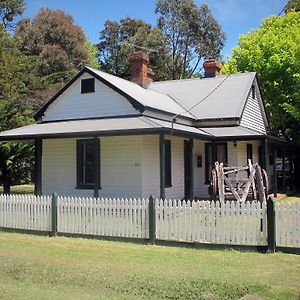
x: 187, y: 170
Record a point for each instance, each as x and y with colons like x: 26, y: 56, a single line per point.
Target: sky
x: 235, y: 16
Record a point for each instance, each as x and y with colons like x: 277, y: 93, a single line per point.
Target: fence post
x: 152, y: 225
x: 271, y: 225
x: 54, y: 214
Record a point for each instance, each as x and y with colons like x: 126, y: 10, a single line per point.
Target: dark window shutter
x: 88, y: 85
x: 86, y: 163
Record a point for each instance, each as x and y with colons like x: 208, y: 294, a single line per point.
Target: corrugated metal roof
x: 227, y: 101
x: 147, y: 97
x: 234, y: 131
x: 96, y: 126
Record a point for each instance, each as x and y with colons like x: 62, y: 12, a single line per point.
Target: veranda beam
x: 162, y: 173
x: 274, y: 171
x: 264, y: 153
x: 191, y: 150
x: 38, y: 167
x: 97, y: 167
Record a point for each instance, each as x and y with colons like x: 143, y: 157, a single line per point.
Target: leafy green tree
x: 273, y: 52
x: 56, y: 48
x: 13, y: 112
x: 10, y: 10
x: 192, y: 33
x: 92, y: 54
x: 292, y: 5
x: 113, y: 47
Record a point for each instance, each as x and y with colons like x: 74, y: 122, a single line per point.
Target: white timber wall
x: 120, y: 167
x: 253, y: 116
x: 151, y: 171
x: 101, y: 103
x: 150, y: 166
x: 200, y: 188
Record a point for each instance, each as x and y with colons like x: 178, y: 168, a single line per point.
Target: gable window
x: 253, y: 91
x: 85, y: 163
x: 222, y: 156
x: 88, y: 85
x: 168, y: 166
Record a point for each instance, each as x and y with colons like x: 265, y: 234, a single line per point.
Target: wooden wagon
x: 249, y: 182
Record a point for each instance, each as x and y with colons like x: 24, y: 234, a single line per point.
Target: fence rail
x: 229, y: 223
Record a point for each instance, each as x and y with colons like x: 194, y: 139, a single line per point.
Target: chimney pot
x: 212, y: 68
x: 140, y: 73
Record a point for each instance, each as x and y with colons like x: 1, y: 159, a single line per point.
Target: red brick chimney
x: 140, y: 73
x: 212, y: 68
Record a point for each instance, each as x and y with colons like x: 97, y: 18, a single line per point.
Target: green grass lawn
x: 20, y: 189
x: 34, y: 267
x: 288, y: 199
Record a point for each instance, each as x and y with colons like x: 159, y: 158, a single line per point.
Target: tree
x: 9, y: 10
x: 92, y: 54
x: 113, y: 50
x: 273, y: 52
x: 13, y: 113
x: 292, y: 5
x: 192, y: 33
x: 56, y: 48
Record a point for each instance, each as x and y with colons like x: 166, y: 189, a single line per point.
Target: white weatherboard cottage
x: 101, y: 135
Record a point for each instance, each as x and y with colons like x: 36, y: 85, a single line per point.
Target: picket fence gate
x: 229, y: 223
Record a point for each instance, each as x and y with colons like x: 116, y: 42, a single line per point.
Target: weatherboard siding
x: 151, y: 169
x: 120, y: 162
x: 101, y: 103
x: 150, y: 166
x: 252, y: 117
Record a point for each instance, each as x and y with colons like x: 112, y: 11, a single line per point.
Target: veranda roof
x: 101, y: 127
x: 237, y: 132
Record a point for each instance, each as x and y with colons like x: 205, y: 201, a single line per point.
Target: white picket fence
x: 106, y: 217
x: 231, y: 223
x: 25, y: 212
x: 287, y: 224
x: 204, y: 221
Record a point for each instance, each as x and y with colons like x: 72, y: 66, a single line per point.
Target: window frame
x: 84, y: 88
x: 80, y: 164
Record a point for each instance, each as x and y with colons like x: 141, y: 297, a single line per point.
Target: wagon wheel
x: 214, y: 184
x: 266, y: 182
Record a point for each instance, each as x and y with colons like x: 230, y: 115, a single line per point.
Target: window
x: 249, y: 153
x: 253, y: 91
x: 221, y: 149
x: 86, y: 163
x: 168, y: 167
x: 88, y: 85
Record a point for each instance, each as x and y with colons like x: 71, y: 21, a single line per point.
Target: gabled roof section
x: 138, y: 97
x: 227, y: 100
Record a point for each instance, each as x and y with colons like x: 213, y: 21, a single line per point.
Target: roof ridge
x: 203, y: 78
